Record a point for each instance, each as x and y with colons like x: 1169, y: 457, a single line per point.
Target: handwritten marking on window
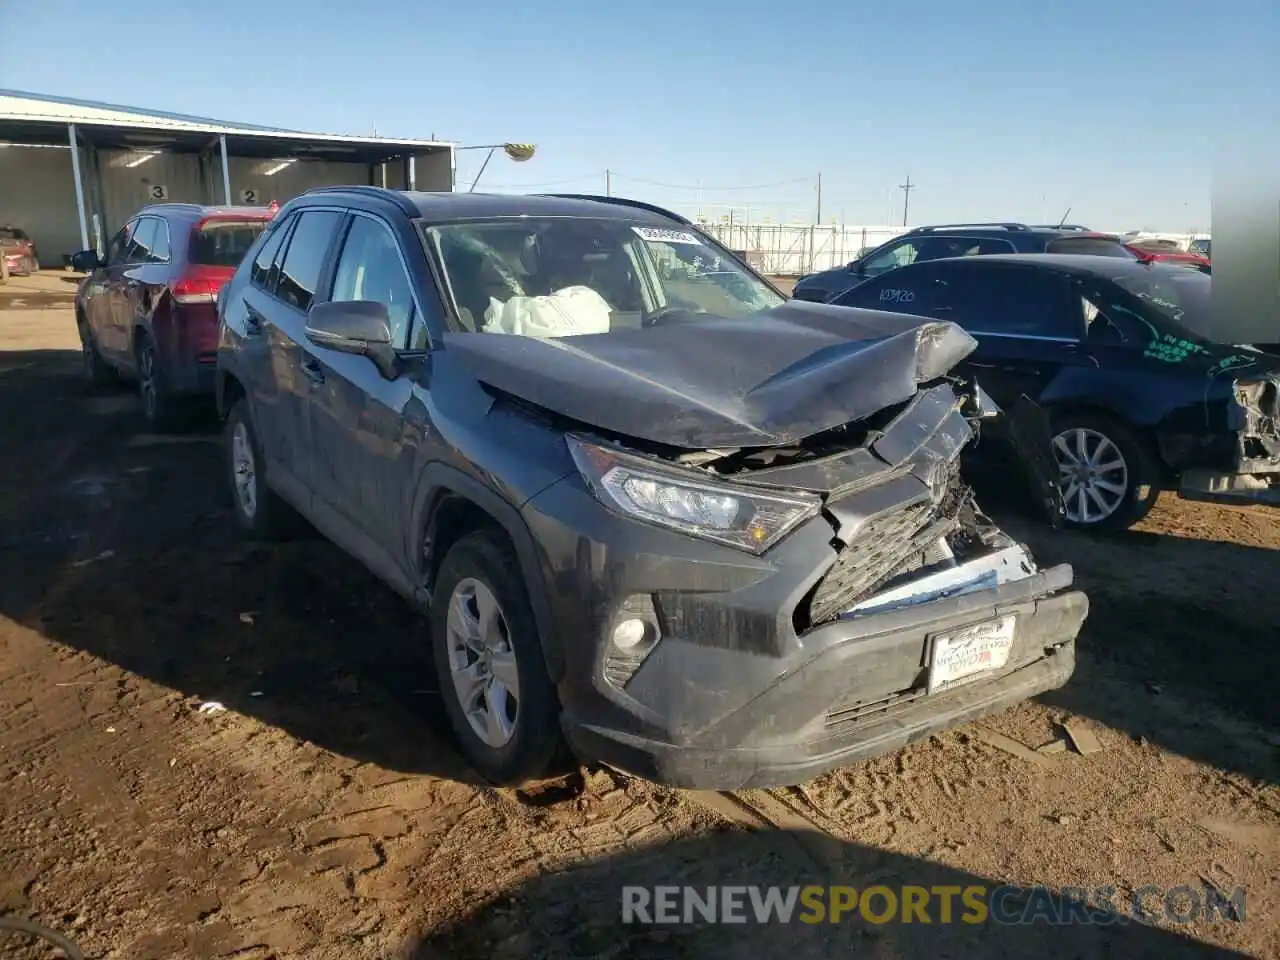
x: 1171, y: 348
x: 894, y: 295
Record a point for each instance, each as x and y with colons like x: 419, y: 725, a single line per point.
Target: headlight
x: 752, y: 520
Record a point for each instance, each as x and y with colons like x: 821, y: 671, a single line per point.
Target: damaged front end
x: 886, y: 608
x: 905, y: 527
x: 1253, y: 472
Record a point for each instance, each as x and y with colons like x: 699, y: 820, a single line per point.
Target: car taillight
x: 198, y: 286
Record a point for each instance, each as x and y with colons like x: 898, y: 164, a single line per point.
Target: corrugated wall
x: 133, y: 180
x: 38, y: 194
x: 37, y: 187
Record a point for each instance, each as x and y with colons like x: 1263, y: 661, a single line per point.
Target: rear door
x: 1028, y: 321
x: 122, y: 287
x: 356, y: 413
x: 145, y: 278
x: 278, y: 309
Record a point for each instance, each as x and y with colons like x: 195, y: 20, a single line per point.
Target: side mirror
x: 86, y: 261
x: 362, y: 327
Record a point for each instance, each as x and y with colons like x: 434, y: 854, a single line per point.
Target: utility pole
x: 608, y: 183
x: 906, y: 189
x: 819, y: 220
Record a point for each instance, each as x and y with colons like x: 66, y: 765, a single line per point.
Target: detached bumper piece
x: 1255, y: 478
x: 1249, y: 486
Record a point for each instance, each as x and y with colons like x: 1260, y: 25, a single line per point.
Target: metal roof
x: 33, y: 118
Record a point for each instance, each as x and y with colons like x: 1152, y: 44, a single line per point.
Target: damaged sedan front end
x: 808, y: 588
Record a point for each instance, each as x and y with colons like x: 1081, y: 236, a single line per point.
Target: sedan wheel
x: 1093, y: 474
x: 482, y: 663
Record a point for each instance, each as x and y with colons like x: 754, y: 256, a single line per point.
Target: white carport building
x: 73, y: 171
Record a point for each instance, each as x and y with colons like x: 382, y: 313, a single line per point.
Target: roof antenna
x: 1064, y: 217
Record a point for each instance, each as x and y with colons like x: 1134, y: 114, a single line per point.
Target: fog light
x: 629, y: 634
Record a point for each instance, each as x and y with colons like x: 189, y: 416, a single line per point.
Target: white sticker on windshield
x: 656, y: 235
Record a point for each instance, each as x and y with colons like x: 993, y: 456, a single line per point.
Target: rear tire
x: 96, y: 370
x: 159, y: 407
x: 260, y: 512
x: 500, y: 702
x: 1109, y: 476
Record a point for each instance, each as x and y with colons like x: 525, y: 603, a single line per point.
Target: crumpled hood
x: 769, y: 379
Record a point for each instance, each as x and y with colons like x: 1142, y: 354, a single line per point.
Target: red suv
x: 18, y: 252
x: 147, y: 310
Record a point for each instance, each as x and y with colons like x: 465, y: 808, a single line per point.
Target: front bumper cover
x: 852, y: 689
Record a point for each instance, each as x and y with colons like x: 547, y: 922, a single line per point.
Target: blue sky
x: 997, y: 109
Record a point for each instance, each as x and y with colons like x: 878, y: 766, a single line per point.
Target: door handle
x: 315, y: 373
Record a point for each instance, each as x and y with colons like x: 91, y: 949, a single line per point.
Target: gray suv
x: 711, y: 536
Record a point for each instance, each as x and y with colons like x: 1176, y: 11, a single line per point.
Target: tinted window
x: 140, y: 243
x: 160, y: 246
x: 1011, y: 300
x: 260, y: 275
x: 907, y: 291
x: 369, y: 268
x: 933, y: 247
x: 223, y: 243
x: 304, y: 260
x: 1091, y: 246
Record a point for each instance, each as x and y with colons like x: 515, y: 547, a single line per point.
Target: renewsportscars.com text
x: 973, y: 904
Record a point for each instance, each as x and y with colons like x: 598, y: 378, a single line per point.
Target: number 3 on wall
x: 158, y: 191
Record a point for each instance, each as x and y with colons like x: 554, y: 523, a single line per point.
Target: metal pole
x: 608, y: 184
x: 75, y: 169
x: 819, y: 198
x: 413, y: 172
x: 487, y: 158
x: 226, y: 169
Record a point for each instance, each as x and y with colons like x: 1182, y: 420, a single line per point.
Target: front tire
x: 1109, y: 477
x: 500, y: 702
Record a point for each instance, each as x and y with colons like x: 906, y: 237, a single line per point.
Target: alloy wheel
x: 1093, y: 474
x: 244, y: 470
x: 482, y: 663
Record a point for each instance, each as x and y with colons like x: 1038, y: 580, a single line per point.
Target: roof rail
x: 624, y: 202
x: 1074, y: 227
x: 397, y: 197
x: 1006, y: 225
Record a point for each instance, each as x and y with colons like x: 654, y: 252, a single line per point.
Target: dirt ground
x: 322, y: 814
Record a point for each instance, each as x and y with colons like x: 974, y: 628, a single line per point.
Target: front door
x: 99, y: 298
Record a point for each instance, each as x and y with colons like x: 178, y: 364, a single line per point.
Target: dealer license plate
x: 969, y: 653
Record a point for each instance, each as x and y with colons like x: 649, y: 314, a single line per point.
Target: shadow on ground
x: 578, y: 912
x: 123, y: 545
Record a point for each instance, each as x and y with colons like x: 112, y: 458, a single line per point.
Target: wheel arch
x: 451, y: 504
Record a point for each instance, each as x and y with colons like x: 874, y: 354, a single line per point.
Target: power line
x: 596, y: 177
x: 704, y: 187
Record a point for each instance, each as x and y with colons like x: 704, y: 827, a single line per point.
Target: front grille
x: 881, y: 550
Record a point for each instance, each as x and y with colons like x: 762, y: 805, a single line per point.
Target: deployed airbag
x: 571, y: 311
